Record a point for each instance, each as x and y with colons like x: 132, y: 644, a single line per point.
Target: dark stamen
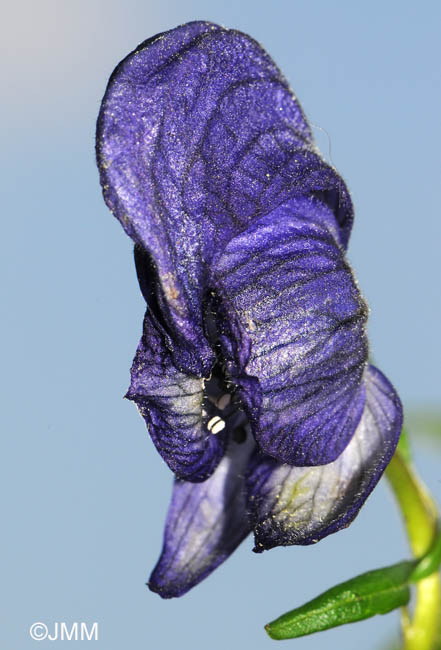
x: 239, y: 435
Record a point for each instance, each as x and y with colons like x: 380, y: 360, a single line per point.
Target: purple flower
x: 252, y: 371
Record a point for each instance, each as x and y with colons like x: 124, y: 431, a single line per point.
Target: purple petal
x: 172, y: 406
x: 205, y: 524
x: 293, y: 330
x: 301, y: 505
x: 198, y: 133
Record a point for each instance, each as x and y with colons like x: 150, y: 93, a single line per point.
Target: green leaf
x: 375, y: 592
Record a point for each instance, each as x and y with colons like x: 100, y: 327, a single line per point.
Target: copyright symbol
x: 38, y: 631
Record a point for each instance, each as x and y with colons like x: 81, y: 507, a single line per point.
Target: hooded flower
x: 252, y: 371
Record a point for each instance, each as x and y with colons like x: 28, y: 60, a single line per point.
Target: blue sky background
x: 85, y: 493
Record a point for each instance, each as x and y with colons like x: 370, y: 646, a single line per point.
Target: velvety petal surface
x: 205, y: 524
x: 198, y: 134
x: 172, y: 405
x: 292, y: 332
x: 301, y: 505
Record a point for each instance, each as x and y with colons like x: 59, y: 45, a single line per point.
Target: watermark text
x: 61, y: 631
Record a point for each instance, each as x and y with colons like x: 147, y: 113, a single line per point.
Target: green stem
x: 421, y: 630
